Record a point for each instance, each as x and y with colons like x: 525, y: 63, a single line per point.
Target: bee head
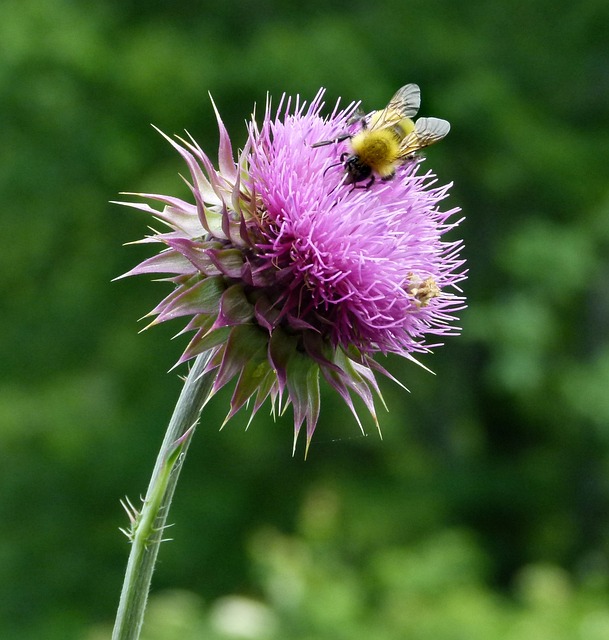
x: 356, y: 170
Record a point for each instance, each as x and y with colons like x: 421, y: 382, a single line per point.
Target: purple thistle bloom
x: 286, y: 270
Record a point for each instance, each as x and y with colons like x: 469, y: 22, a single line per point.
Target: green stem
x: 148, y: 526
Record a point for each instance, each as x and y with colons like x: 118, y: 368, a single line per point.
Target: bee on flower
x: 388, y: 138
x: 286, y: 278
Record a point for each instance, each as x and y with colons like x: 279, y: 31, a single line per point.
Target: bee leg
x: 363, y: 186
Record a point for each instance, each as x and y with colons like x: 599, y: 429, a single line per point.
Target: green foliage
x: 483, y: 512
x: 434, y: 589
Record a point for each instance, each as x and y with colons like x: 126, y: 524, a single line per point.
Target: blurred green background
x: 484, y: 511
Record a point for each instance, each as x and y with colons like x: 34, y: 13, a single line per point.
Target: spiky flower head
x: 285, y: 271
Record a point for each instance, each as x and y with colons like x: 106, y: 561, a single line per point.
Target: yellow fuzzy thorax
x: 379, y: 149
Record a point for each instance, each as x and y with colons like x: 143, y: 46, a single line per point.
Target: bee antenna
x: 342, y: 181
x: 335, y: 164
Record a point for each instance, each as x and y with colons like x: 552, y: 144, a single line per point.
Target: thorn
x: 129, y: 534
x: 249, y: 420
x: 378, y: 427
x: 180, y: 441
x: 225, y: 421
x: 294, y: 443
x: 162, y: 529
x: 307, y: 448
x: 132, y: 513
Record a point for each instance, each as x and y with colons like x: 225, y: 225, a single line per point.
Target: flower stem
x: 147, y: 526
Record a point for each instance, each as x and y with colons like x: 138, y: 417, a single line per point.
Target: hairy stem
x: 147, y: 527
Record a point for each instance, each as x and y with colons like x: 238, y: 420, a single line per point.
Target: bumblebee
x: 388, y: 138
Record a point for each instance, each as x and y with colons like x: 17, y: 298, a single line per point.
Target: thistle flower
x: 286, y: 272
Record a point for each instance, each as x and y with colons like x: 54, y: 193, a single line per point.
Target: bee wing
x: 406, y: 101
x: 430, y: 130
x: 358, y: 115
x: 426, y: 131
x: 404, y: 104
